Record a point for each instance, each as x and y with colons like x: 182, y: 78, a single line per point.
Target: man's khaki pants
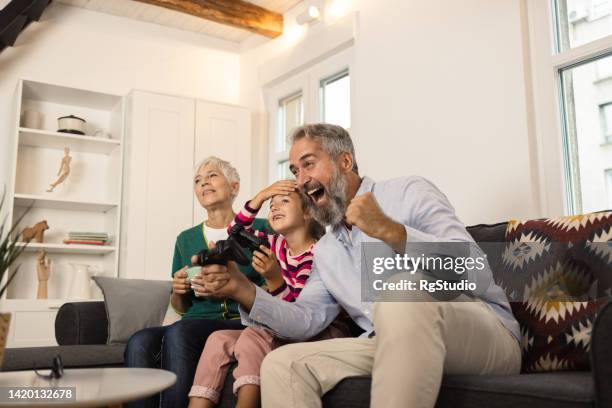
x: 415, y: 343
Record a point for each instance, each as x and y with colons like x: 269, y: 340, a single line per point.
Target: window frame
x: 606, y: 132
x: 601, y: 76
x: 281, y: 118
x: 329, y: 80
x: 288, y: 88
x: 548, y: 133
x: 597, y: 14
x: 608, y: 184
x: 307, y: 81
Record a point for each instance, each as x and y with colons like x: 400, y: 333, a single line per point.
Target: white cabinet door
x: 158, y: 194
x: 32, y: 321
x: 224, y: 131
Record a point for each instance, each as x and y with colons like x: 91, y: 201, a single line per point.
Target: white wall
x: 438, y: 91
x: 439, y: 87
x: 85, y: 49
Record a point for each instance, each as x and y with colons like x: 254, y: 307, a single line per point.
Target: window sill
x: 602, y: 78
x: 606, y: 143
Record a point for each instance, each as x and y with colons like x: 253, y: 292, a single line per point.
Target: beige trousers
x: 415, y: 343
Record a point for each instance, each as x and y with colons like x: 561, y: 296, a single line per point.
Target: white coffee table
x: 95, y: 387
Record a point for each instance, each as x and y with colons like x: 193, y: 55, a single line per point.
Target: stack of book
x: 87, y: 238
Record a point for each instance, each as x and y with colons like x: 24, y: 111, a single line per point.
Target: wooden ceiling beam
x: 236, y: 13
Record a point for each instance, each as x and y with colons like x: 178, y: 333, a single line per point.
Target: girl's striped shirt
x: 294, y: 269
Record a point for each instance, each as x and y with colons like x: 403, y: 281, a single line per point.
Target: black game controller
x: 232, y: 248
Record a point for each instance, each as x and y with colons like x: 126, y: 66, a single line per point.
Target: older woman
x: 177, y: 347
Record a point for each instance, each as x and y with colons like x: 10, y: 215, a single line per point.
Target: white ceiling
x: 174, y: 19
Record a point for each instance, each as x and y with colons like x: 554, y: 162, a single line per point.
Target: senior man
x: 406, y: 346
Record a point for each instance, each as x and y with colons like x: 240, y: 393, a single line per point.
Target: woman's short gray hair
x: 229, y: 171
x: 334, y: 139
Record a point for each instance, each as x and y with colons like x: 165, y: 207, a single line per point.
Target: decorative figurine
x: 36, y: 232
x: 64, y: 170
x: 43, y: 270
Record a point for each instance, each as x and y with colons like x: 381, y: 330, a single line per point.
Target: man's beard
x: 332, y: 213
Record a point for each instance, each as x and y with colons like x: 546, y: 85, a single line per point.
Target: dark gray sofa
x: 81, y: 329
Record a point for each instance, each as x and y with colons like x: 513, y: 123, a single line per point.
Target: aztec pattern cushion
x: 557, y: 273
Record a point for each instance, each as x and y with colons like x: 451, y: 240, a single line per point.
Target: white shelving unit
x: 56, y: 140
x: 41, y: 201
x: 89, y: 200
x: 69, y: 249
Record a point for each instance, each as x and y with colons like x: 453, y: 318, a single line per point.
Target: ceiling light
x: 309, y: 15
x: 337, y: 9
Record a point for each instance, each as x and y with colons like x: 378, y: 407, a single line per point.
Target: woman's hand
x: 283, y: 187
x: 209, y: 285
x: 223, y: 281
x: 180, y: 300
x: 200, y: 286
x: 219, y: 280
x: 266, y: 264
x: 180, y: 285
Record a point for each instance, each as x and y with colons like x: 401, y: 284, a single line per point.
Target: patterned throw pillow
x: 557, y: 273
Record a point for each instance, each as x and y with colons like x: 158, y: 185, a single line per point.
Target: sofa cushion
x: 547, y: 390
x: 78, y: 356
x: 81, y: 323
x: 559, y: 274
x: 133, y: 305
x: 488, y: 232
x: 601, y: 356
x: 491, y: 239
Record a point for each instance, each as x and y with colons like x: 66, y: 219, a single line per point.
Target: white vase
x: 80, y: 287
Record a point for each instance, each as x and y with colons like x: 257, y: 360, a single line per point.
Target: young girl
x: 286, y: 267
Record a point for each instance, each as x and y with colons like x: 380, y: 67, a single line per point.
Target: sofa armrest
x: 601, y: 356
x: 81, y: 323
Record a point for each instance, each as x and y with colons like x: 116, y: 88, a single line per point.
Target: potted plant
x: 9, y: 252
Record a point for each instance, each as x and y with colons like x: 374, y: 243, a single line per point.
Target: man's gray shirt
x: 335, y: 280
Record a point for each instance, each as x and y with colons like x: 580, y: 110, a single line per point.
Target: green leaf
x: 9, y: 248
x: 10, y: 279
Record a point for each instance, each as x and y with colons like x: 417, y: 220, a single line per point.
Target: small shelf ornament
x: 43, y: 271
x: 35, y: 232
x: 64, y: 170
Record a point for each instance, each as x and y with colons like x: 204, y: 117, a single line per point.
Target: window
x: 581, y: 21
x: 585, y: 118
x: 572, y: 90
x: 606, y: 121
x: 598, y: 9
x: 587, y: 122
x: 604, y: 68
x: 608, y: 176
x: 336, y: 99
x: 290, y: 116
x: 283, y: 171
x: 320, y: 93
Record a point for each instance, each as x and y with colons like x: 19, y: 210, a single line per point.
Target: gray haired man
x: 406, y: 346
